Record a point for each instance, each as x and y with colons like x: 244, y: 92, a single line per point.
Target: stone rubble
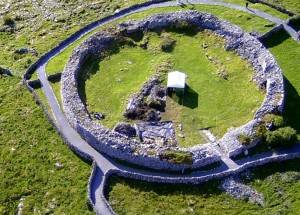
x: 25, y: 51
x: 234, y: 187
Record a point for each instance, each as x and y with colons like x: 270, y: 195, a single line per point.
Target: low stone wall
x: 192, y: 180
x: 89, y: 187
x: 280, y: 9
x: 49, y: 116
x: 198, y: 180
x: 272, y: 31
x: 110, y: 144
x: 267, y: 75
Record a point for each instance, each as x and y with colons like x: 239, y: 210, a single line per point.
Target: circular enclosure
x: 267, y: 75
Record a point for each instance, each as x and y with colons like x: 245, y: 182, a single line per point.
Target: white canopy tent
x: 176, y: 79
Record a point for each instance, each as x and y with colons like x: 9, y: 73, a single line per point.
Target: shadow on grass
x: 90, y: 67
x: 188, y: 98
x: 292, y: 105
x: 276, y: 38
x: 207, y: 188
x: 266, y: 170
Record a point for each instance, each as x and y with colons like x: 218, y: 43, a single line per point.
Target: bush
x: 244, y: 139
x: 167, y: 44
x: 269, y: 118
x: 273, y: 121
x: 178, y: 157
x: 7, y: 20
x: 279, y: 122
x: 259, y: 131
x: 285, y: 136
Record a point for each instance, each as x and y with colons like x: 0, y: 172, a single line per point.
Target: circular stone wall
x: 267, y: 75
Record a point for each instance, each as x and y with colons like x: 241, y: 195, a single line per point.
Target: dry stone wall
x: 267, y: 75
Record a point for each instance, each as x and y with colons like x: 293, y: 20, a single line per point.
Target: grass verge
x: 36, y: 166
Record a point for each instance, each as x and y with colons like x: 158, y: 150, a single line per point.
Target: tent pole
x: 183, y: 96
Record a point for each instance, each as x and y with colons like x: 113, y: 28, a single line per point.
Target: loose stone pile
x: 234, y: 187
x: 267, y: 75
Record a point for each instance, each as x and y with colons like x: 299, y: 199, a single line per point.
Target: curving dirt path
x: 105, y: 164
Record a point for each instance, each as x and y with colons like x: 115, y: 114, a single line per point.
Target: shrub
x: 178, y: 157
x: 273, y: 121
x: 279, y: 122
x: 7, y: 20
x: 259, y: 131
x: 268, y: 118
x: 284, y: 136
x: 167, y: 44
x: 244, y: 139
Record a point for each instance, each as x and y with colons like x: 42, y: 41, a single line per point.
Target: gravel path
x: 103, y: 163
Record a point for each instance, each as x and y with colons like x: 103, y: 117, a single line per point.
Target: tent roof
x: 176, y: 79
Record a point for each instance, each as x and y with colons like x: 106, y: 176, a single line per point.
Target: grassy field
x: 30, y: 149
x: 207, y: 88
x: 279, y: 183
x: 42, y: 25
x: 30, y: 146
x: 292, y: 5
x: 261, y: 7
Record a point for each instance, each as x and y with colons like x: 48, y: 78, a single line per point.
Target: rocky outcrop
x: 26, y: 50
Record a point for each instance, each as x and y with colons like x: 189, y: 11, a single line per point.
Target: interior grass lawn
x: 289, y: 62
x: 29, y: 149
x: 210, y: 101
x: 278, y: 182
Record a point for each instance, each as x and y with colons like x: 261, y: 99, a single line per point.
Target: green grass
x: 289, y: 62
x: 111, y: 82
x: 278, y: 182
x: 261, y: 7
x: 29, y: 149
x: 43, y: 25
x: 292, y: 5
